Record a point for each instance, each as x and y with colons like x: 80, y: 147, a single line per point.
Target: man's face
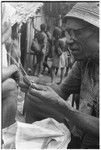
x: 85, y: 40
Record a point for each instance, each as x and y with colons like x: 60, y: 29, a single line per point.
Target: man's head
x: 48, y: 28
x: 84, y: 33
x: 57, y: 33
x: 43, y: 27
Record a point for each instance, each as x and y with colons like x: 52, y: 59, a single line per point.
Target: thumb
x: 38, y: 87
x: 26, y: 80
x: 35, y: 92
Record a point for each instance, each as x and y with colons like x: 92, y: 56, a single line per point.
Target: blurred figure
x: 15, y: 52
x: 62, y: 45
x: 56, y: 52
x: 40, y: 42
x: 68, y: 57
x: 9, y: 85
x: 48, y: 50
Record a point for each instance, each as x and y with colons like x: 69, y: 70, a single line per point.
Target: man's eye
x: 78, y: 33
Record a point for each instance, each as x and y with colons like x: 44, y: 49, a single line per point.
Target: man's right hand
x: 26, y: 82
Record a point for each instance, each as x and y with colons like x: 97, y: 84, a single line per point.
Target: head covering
x: 86, y: 11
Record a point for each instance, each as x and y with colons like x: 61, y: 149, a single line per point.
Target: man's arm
x: 52, y: 105
x: 44, y: 43
x: 86, y: 123
x: 71, y: 84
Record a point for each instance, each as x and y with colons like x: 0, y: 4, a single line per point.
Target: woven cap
x: 86, y: 11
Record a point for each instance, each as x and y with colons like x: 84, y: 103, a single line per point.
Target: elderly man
x: 42, y: 101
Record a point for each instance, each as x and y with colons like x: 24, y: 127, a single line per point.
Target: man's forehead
x: 73, y: 23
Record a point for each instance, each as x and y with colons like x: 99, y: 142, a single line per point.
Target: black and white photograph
x: 50, y: 75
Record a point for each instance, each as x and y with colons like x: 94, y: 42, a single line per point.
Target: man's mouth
x: 73, y: 49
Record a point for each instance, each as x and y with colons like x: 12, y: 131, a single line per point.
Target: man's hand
x: 26, y: 83
x: 47, y: 101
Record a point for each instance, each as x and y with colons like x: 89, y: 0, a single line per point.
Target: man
x: 9, y: 85
x: 48, y: 50
x: 82, y: 22
x: 63, y: 45
x: 56, y: 52
x: 42, y: 41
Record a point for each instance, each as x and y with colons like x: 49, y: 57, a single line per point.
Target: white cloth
x: 4, y: 56
x: 45, y: 134
x: 62, y: 60
x: 8, y: 136
x: 67, y: 56
x: 8, y: 13
x: 56, y: 61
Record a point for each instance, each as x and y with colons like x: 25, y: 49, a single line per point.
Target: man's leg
x: 42, y: 58
x: 61, y: 76
x: 9, y: 102
x: 34, y: 64
x: 52, y: 74
x: 57, y: 68
x: 44, y: 64
x: 66, y: 73
x: 38, y: 64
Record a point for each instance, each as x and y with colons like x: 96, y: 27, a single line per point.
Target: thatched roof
x: 22, y: 10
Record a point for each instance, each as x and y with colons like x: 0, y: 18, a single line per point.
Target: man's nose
x: 71, y: 40
x: 72, y: 36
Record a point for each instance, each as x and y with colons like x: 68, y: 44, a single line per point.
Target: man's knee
x: 9, y: 102
x: 8, y: 112
x: 12, y: 83
x: 9, y: 87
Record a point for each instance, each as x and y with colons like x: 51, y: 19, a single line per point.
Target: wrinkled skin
x: 85, y: 46
x: 9, y: 95
x: 44, y: 102
x: 85, y: 43
x: 40, y: 96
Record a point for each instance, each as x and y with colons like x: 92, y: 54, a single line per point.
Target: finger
x: 39, y: 87
x: 25, y: 90
x: 35, y: 99
x: 26, y: 80
x: 23, y: 85
x: 36, y: 93
x: 29, y: 81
